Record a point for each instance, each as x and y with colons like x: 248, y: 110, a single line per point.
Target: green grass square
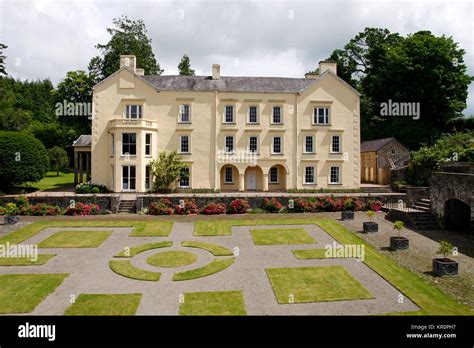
x: 21, y: 293
x: 307, y: 254
x: 26, y: 261
x: 105, y: 304
x: 75, y: 239
x: 315, y: 284
x: 213, y: 303
x: 278, y: 236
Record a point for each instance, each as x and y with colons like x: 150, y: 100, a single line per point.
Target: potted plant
x: 348, y: 212
x: 370, y: 226
x: 10, y: 217
x: 445, y: 266
x: 399, y: 242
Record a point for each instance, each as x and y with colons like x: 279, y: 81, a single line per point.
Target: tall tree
x: 58, y: 158
x: 2, y: 60
x: 185, y: 66
x: 127, y: 37
x: 420, y: 68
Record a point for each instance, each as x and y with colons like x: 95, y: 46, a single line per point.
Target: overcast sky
x: 47, y: 38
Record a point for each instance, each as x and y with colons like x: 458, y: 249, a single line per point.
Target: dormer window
x: 133, y: 111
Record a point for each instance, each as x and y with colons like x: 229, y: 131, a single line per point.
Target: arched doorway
x: 277, y: 178
x: 457, y: 215
x: 253, y: 179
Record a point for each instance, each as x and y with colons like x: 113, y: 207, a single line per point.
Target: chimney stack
x: 216, y: 71
x: 325, y: 65
x: 128, y: 61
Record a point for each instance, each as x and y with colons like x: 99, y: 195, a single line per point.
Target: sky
x: 48, y: 38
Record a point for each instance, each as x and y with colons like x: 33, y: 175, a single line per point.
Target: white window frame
x: 332, y: 143
x: 128, y: 111
x: 339, y: 175
x: 149, y: 146
x: 270, y: 181
x: 225, y: 114
x: 136, y: 141
x: 231, y: 175
x: 113, y: 144
x: 180, y: 116
x: 305, y: 150
x: 148, y: 178
x: 306, y: 182
x: 273, y: 114
x: 257, y: 150
x: 181, y: 137
x: 129, y: 166
x: 273, y: 145
x: 327, y: 117
x: 257, y: 116
x: 188, y: 178
x: 225, y: 144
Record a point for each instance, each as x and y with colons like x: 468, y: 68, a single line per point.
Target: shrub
x: 238, y: 206
x: 83, y: 209
x: 214, y: 208
x: 374, y: 205
x: 301, y: 205
x: 23, y: 158
x: 10, y: 209
x: 186, y: 207
x: 445, y: 248
x: 162, y: 207
x: 22, y: 201
x: 349, y: 204
x: 88, y: 187
x: 271, y: 205
x: 42, y: 209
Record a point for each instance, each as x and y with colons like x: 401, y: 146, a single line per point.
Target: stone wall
x: 451, y: 185
x: 385, y: 152
x: 414, y: 194
x: 105, y: 201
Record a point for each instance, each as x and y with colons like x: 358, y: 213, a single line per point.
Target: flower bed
x: 214, y: 209
x: 162, y: 207
x: 238, y: 206
x: 271, y: 205
x: 83, y: 209
x: 186, y: 207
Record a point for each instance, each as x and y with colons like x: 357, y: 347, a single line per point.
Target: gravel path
x: 90, y: 273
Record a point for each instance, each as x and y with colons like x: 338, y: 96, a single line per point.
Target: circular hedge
x: 22, y: 158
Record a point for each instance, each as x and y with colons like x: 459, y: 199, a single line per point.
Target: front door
x: 251, y: 183
x: 128, y: 178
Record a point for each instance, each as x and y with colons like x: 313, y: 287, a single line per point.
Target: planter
x: 11, y: 219
x: 399, y: 243
x: 445, y: 267
x: 370, y: 227
x: 347, y: 215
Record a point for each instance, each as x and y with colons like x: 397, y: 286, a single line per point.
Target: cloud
x: 254, y: 38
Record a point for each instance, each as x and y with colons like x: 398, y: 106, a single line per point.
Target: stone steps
x: 127, y: 206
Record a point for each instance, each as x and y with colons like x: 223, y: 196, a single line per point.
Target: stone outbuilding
x: 379, y: 157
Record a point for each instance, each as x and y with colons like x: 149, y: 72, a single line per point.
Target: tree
x: 166, y: 170
x: 185, y: 66
x: 2, y: 59
x: 127, y: 37
x: 23, y: 158
x: 419, y: 68
x: 76, y: 88
x: 58, y: 158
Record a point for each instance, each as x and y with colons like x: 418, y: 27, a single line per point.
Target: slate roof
x: 228, y: 83
x: 374, y: 145
x: 83, y: 140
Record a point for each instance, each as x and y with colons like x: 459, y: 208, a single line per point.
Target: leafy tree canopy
x: 185, y: 66
x: 127, y: 37
x: 2, y: 60
x: 166, y: 170
x: 58, y: 158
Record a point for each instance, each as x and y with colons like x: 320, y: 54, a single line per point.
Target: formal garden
x: 253, y: 264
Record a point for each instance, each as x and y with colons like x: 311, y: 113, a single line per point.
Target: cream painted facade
x: 119, y: 161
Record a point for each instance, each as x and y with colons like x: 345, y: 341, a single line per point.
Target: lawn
x: 126, y: 269
x: 75, y: 239
x: 21, y: 293
x: 26, y: 261
x: 105, y: 304
x: 315, y: 284
x: 213, y: 303
x: 275, y: 236
x: 53, y: 182
x: 153, y: 229
x: 307, y: 254
x: 172, y: 258
x: 132, y: 251
x: 211, y: 268
x: 214, y: 249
